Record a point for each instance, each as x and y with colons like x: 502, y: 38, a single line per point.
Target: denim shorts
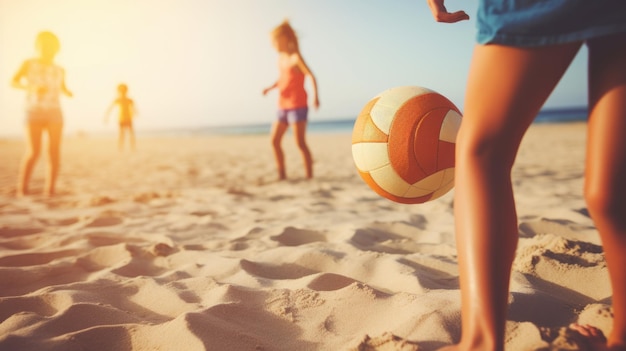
x: 528, y: 23
x: 293, y: 115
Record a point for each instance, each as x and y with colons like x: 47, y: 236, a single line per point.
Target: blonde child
x: 44, y: 83
x: 126, y: 112
x: 524, y: 48
x: 292, y: 100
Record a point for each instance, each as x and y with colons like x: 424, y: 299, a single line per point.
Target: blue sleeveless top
x: 528, y: 23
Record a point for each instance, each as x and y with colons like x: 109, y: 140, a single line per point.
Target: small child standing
x: 292, y: 102
x: 126, y: 113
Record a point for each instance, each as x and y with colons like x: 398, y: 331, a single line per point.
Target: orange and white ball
x: 403, y: 144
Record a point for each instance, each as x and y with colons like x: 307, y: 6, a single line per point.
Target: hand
x: 440, y: 13
x: 316, y: 104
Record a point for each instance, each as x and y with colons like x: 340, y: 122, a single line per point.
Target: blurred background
x: 194, y: 64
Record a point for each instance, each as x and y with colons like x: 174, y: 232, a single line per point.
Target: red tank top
x: 291, y: 88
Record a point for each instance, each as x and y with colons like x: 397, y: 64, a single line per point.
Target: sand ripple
x: 190, y: 244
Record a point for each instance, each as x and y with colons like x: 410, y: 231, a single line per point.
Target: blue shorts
x: 293, y: 115
x: 527, y: 23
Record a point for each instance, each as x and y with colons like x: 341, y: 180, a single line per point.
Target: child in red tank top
x: 293, y: 99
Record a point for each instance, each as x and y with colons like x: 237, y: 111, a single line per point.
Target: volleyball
x: 403, y: 144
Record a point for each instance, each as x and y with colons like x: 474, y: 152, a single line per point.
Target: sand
x: 189, y: 243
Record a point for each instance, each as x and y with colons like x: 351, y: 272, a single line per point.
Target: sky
x: 197, y: 63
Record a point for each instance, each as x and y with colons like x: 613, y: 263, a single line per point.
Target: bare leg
x: 131, y: 136
x: 33, y: 149
x: 278, y: 130
x: 120, y: 140
x: 55, y: 131
x: 506, y: 88
x: 300, y: 134
x: 605, y: 189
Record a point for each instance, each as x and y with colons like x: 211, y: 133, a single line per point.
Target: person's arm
x: 307, y: 72
x: 133, y: 108
x: 271, y: 87
x: 64, y: 88
x: 441, y: 14
x: 108, y: 111
x: 17, y: 81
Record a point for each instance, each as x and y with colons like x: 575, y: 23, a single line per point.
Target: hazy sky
x: 205, y: 62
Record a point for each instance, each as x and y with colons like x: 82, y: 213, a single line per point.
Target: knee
x: 32, y: 155
x: 605, y: 202
x: 484, y: 150
x: 54, y: 152
x: 276, y: 143
x: 302, y: 145
x: 55, y: 159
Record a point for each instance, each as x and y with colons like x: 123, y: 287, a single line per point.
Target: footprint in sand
x: 105, y: 221
x: 378, y: 240
x: 277, y: 198
x: 239, y: 192
x: 101, y: 200
x: 327, y: 194
x: 62, y: 222
x: 551, y: 260
x: 147, y: 197
x: 295, y: 237
x: 278, y: 272
x: 562, y: 227
x: 329, y: 282
x: 203, y: 213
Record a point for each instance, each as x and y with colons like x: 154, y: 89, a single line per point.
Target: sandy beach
x: 189, y: 243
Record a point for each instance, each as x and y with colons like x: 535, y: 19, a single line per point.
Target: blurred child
x: 292, y: 100
x: 126, y: 113
x: 44, y: 82
x: 524, y: 48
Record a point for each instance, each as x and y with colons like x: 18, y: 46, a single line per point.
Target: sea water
x: 345, y: 125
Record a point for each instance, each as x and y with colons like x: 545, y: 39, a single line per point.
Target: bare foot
x: 595, y: 338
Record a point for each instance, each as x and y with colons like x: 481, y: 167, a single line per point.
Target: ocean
x: 345, y: 125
